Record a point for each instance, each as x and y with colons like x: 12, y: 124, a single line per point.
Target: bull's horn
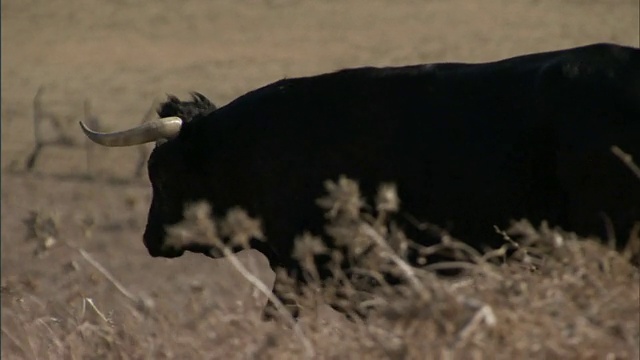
x: 149, y: 131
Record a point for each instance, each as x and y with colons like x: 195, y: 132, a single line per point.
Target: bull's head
x: 166, y: 167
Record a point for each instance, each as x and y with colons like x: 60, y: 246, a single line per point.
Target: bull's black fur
x: 186, y: 110
x: 469, y: 146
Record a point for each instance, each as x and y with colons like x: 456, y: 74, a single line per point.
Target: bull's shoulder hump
x: 339, y: 79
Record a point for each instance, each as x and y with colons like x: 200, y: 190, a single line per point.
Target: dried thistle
x: 240, y: 228
x: 387, y: 200
x: 343, y: 199
x: 197, y: 227
x: 305, y: 249
x: 349, y: 235
x: 41, y: 225
x: 43, y: 228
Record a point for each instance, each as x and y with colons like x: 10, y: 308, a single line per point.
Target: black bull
x: 469, y: 146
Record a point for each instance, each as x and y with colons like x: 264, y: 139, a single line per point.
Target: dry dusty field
x: 67, y: 228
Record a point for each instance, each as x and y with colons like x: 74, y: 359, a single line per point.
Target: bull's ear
x: 202, y: 100
x: 173, y: 99
x: 198, y: 97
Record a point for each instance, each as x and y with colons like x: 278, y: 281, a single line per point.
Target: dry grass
x: 556, y: 297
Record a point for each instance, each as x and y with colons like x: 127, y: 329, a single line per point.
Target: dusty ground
x: 122, y: 55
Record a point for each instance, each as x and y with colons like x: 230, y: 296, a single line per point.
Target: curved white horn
x: 165, y: 128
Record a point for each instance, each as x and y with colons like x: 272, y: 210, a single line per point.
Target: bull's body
x: 469, y: 146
